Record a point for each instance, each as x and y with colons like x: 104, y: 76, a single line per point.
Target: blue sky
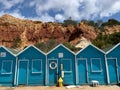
x: 59, y: 10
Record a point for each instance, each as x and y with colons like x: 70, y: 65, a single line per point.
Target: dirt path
x: 114, y: 87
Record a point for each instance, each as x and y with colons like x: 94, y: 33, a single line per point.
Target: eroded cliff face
x: 112, y: 29
x: 19, y: 32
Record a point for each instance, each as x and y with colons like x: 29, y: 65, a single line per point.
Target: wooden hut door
x: 82, y: 71
x: 119, y: 70
x: 23, y: 73
x: 53, y: 71
x: 112, y: 69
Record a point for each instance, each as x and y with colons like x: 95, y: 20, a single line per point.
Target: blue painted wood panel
x: 53, y: 72
x: 112, y: 70
x: 119, y: 70
x: 92, y: 53
x: 23, y: 73
x: 7, y: 67
x: 115, y: 54
x: 68, y: 67
x: 37, y: 65
x: 82, y: 71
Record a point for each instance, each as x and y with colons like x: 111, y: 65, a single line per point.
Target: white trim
x: 28, y: 48
x: 108, y: 80
x: 113, y: 48
x: 70, y: 71
x: 92, y: 70
x: 78, y: 59
x: 15, y: 79
x: 112, y: 58
x: 76, y: 70
x: 87, y: 70
x: 10, y: 68
x: 116, y: 68
x: 46, y: 74
x: 93, y: 47
x: 59, y: 46
x: 27, y: 69
x: 33, y: 65
x: 53, y: 69
x: 7, y: 50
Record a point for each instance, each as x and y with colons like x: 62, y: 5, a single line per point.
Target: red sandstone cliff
x: 25, y: 32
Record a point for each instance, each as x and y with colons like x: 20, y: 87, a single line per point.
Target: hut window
x: 67, y: 65
x: 6, y: 67
x: 36, y: 66
x: 96, y: 65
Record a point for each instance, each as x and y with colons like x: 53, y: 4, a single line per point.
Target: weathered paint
x: 94, y: 65
x: 7, y: 67
x: 31, y: 67
x: 82, y: 70
x: 112, y: 70
x: 65, y: 61
x: 52, y: 73
x: 113, y: 61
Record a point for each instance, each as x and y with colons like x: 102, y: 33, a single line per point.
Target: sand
x: 113, y: 87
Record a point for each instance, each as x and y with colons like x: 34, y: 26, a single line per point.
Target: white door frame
x: 22, y: 60
x: 78, y: 59
x: 49, y: 67
x: 116, y: 68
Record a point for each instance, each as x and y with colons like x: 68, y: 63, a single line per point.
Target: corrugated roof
x: 14, y: 51
x: 108, y: 48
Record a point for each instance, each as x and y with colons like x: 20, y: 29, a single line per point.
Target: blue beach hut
x: 61, y: 63
x: 7, y: 67
x: 31, y: 66
x: 91, y: 65
x: 113, y: 62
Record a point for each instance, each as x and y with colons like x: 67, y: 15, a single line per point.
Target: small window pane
x: 96, y: 65
x: 6, y: 67
x: 67, y: 65
x: 36, y: 66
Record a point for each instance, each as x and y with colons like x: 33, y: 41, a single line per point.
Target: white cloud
x: 110, y: 8
x: 43, y: 18
x: 59, y: 17
x: 46, y: 18
x: 77, y: 9
x: 15, y: 13
x: 63, y: 9
x: 10, y: 3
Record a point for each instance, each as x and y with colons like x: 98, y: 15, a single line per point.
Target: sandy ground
x: 114, y: 87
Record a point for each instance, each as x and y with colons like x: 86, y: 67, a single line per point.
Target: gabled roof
x: 7, y: 50
x: 14, y: 51
x: 59, y: 46
x: 113, y: 48
x: 92, y: 46
x: 28, y: 48
x: 108, y: 48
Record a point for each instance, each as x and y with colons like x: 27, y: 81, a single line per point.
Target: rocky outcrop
x: 25, y: 32
x: 112, y: 29
x: 83, y: 43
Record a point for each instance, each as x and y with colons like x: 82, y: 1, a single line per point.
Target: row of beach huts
x: 31, y: 66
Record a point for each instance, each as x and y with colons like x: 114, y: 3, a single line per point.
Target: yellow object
x: 60, y: 82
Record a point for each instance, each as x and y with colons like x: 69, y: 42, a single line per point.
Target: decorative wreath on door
x: 53, y: 65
